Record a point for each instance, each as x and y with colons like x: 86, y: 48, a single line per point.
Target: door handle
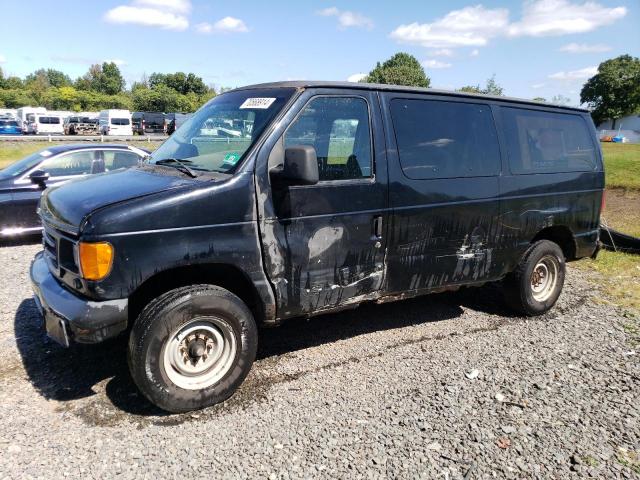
x: 377, y: 226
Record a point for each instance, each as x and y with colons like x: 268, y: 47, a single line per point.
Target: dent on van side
x: 294, y: 199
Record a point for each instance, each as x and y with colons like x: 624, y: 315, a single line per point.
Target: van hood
x: 65, y: 206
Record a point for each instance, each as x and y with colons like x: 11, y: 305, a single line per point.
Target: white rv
x: 45, y: 123
x: 23, y: 112
x: 115, y: 122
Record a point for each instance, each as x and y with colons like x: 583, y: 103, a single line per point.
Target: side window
x: 338, y: 128
x: 445, y: 139
x: 547, y: 142
x: 114, y: 160
x: 76, y: 163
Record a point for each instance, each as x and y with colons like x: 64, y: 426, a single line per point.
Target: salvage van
x: 329, y: 196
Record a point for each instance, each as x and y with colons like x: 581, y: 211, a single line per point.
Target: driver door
x: 324, y: 244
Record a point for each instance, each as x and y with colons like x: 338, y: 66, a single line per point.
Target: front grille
x: 50, y: 244
x: 60, y: 250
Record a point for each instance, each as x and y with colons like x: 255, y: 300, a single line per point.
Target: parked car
x: 115, y: 122
x: 342, y: 194
x: 9, y: 126
x: 76, y: 125
x: 175, y: 120
x: 148, y: 122
x: 44, y: 124
x: 22, y: 182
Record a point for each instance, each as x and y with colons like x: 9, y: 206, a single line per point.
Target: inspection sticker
x: 231, y: 158
x: 258, y: 102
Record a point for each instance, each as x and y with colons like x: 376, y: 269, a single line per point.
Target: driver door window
x: 338, y: 128
x: 77, y: 163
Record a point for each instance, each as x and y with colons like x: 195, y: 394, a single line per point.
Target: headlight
x: 95, y: 260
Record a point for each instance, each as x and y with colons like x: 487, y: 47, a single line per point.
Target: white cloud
x: 356, y: 77
x: 584, y: 48
x: 574, y: 75
x: 443, y: 52
x: 3, y: 59
x: 225, y: 25
x: 347, y: 19
x: 118, y: 61
x: 474, y: 53
x: 560, y: 17
x: 177, y: 6
x: 469, y: 26
x: 435, y: 64
x: 149, y: 17
x: 475, y: 26
x: 538, y: 86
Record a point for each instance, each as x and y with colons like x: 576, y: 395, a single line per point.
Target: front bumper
x: 70, y: 318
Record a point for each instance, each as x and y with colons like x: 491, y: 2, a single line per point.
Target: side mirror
x: 300, y: 166
x: 39, y: 177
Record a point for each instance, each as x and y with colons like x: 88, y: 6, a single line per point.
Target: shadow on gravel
x: 72, y: 374
x: 22, y: 240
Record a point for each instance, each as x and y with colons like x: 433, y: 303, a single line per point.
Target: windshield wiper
x: 179, y: 164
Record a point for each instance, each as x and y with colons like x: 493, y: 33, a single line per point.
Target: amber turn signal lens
x: 95, y: 260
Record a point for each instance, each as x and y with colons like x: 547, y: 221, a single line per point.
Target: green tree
x: 110, y: 80
x: 179, y: 81
x: 48, y: 78
x: 560, y: 100
x: 539, y: 99
x: 614, y: 91
x: 471, y: 89
x: 491, y: 88
x: 401, y: 69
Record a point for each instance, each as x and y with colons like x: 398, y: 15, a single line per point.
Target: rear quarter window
x: 547, y: 142
x: 439, y: 139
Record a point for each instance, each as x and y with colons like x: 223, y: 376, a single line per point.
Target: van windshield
x: 216, y: 137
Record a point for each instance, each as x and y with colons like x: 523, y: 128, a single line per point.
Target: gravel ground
x: 445, y: 386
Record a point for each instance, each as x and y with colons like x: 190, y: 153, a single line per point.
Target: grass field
x: 622, y: 165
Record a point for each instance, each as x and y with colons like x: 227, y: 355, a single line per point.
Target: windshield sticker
x: 45, y: 153
x: 258, y: 102
x: 231, y: 158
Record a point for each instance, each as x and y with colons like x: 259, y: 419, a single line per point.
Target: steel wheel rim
x: 544, y: 278
x: 213, y: 339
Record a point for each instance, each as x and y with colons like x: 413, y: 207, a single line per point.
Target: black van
x: 148, y: 122
x: 299, y: 198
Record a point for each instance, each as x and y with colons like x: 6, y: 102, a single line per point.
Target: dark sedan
x: 22, y: 182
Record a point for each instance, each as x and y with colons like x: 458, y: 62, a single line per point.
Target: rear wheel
x: 192, y: 347
x: 536, y: 283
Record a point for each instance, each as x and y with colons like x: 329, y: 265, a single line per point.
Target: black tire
x: 156, y: 329
x: 518, y: 286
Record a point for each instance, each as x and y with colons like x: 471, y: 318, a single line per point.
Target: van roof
x: 402, y: 88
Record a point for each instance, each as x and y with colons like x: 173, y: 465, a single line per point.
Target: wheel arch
x: 562, y: 236
x: 222, y: 275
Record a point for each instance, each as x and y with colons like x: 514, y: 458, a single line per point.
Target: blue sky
x: 535, y: 47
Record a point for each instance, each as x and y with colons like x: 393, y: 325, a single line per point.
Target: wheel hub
x: 199, y: 353
x: 544, y: 278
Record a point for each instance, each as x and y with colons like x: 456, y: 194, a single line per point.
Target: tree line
x: 613, y: 92
x: 102, y: 87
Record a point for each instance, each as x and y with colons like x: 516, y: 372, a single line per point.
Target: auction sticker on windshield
x: 258, y: 102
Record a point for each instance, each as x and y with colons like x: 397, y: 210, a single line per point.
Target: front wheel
x: 192, y: 347
x: 536, y: 283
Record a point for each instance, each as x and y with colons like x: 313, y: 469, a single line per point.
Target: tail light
x: 603, y: 202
